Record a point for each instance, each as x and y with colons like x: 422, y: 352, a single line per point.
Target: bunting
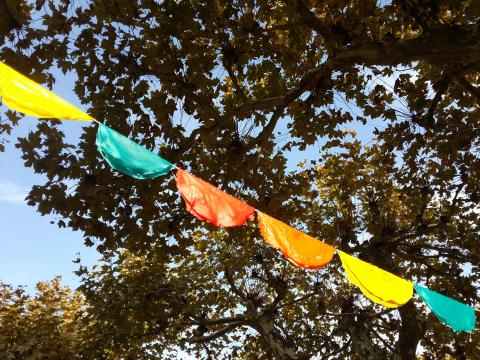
x: 130, y: 158
x: 26, y: 96
x: 458, y: 316
x: 209, y: 203
x: 301, y: 249
x: 378, y: 285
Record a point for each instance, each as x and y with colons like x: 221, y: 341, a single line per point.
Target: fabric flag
x: 458, y: 316
x: 209, y: 203
x: 130, y: 158
x: 26, y: 96
x: 301, y: 249
x: 378, y: 285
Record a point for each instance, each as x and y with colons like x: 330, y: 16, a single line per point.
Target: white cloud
x: 12, y: 193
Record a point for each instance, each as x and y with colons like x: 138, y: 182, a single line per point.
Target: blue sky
x: 32, y: 249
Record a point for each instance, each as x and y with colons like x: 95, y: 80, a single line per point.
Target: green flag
x: 124, y: 155
x: 458, y: 316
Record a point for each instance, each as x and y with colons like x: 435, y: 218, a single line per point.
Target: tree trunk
x: 357, y: 327
x: 412, y: 328
x: 278, y: 346
x: 411, y: 332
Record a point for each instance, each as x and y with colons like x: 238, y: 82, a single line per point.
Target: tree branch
x: 207, y: 322
x: 442, y: 86
x: 300, y: 299
x: 307, y: 82
x: 451, y: 45
x: 313, y: 22
x: 448, y: 45
x: 235, y: 289
x: 213, y: 336
x: 469, y: 87
x: 266, y: 131
x: 405, y: 234
x: 227, y: 64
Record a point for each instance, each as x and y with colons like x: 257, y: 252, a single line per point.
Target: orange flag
x: 209, y: 203
x: 301, y: 249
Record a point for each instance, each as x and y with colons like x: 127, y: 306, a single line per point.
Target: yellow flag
x: 378, y: 285
x: 26, y: 96
x: 301, y: 249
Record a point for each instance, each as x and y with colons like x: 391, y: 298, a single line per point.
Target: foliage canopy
x: 229, y: 90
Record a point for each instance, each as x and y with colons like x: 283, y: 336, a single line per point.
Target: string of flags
x: 208, y: 203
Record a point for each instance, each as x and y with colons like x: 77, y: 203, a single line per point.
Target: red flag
x: 209, y: 203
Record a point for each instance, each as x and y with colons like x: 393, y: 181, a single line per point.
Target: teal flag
x: 127, y: 156
x: 458, y: 316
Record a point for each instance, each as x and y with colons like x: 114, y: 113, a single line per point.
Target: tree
x: 44, y: 326
x: 228, y: 89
